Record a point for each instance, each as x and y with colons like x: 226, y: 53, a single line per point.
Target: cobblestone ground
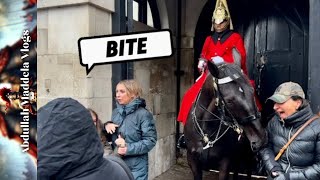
x: 181, y: 171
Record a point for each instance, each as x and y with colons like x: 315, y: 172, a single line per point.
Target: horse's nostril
x: 254, y: 146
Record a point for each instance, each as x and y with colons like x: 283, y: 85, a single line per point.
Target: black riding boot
x: 181, y: 144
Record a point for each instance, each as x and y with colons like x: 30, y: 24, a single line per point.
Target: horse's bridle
x: 222, y: 109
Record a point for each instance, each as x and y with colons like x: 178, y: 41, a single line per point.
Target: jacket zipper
x: 287, y: 152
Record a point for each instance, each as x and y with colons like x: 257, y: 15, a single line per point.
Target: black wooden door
x: 280, y: 50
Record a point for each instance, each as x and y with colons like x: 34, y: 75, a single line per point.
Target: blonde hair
x: 132, y: 86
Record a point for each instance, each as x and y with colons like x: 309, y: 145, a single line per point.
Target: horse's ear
x: 213, y: 69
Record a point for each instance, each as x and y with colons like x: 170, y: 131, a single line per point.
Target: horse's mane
x: 232, y: 69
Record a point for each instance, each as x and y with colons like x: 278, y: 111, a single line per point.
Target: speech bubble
x: 108, y: 49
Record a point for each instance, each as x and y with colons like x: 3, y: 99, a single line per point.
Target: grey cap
x: 285, y: 91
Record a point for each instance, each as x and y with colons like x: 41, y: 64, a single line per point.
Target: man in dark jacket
x: 301, y: 160
x: 69, y: 146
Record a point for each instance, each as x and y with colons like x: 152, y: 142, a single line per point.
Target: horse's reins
x: 235, y: 126
x: 205, y: 137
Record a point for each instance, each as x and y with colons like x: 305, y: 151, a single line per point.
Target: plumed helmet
x: 220, y: 14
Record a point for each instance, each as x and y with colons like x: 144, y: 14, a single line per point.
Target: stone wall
x: 60, y: 25
x: 159, y: 89
x: 158, y: 82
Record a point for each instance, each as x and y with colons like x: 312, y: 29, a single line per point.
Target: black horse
x: 223, y: 115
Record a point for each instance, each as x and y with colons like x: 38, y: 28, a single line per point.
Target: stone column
x: 314, y: 54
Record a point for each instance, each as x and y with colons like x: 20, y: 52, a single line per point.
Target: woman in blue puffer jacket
x: 132, y: 127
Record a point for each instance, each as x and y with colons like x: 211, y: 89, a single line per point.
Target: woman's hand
x: 111, y: 127
x: 120, y: 142
x: 280, y: 176
x: 122, y: 150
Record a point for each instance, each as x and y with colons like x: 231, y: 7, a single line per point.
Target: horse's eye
x: 240, y: 89
x: 229, y: 102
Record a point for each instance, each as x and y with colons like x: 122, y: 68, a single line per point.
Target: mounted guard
x: 223, y: 44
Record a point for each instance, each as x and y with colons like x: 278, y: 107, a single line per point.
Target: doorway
x: 276, y: 40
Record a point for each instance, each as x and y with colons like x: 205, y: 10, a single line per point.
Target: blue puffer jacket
x: 137, y: 127
x: 301, y: 160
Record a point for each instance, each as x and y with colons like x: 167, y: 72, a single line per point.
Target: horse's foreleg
x: 195, y: 165
x: 224, y: 168
x: 249, y: 169
x: 235, y: 174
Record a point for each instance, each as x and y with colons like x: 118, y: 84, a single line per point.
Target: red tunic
x: 223, y: 47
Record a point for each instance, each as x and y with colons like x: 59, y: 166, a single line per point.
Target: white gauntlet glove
x: 202, y: 64
x: 217, y: 60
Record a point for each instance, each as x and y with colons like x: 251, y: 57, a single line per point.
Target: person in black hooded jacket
x: 301, y: 160
x: 69, y: 146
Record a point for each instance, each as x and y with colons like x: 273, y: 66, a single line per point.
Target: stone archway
x: 163, y: 13
x: 277, y: 33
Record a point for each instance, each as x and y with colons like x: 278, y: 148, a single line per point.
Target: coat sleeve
x: 148, y: 139
x: 313, y: 171
x: 267, y: 155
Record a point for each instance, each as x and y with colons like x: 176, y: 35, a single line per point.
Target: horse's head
x: 236, y: 95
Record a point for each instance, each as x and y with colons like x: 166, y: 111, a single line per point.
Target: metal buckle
x: 209, y: 145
